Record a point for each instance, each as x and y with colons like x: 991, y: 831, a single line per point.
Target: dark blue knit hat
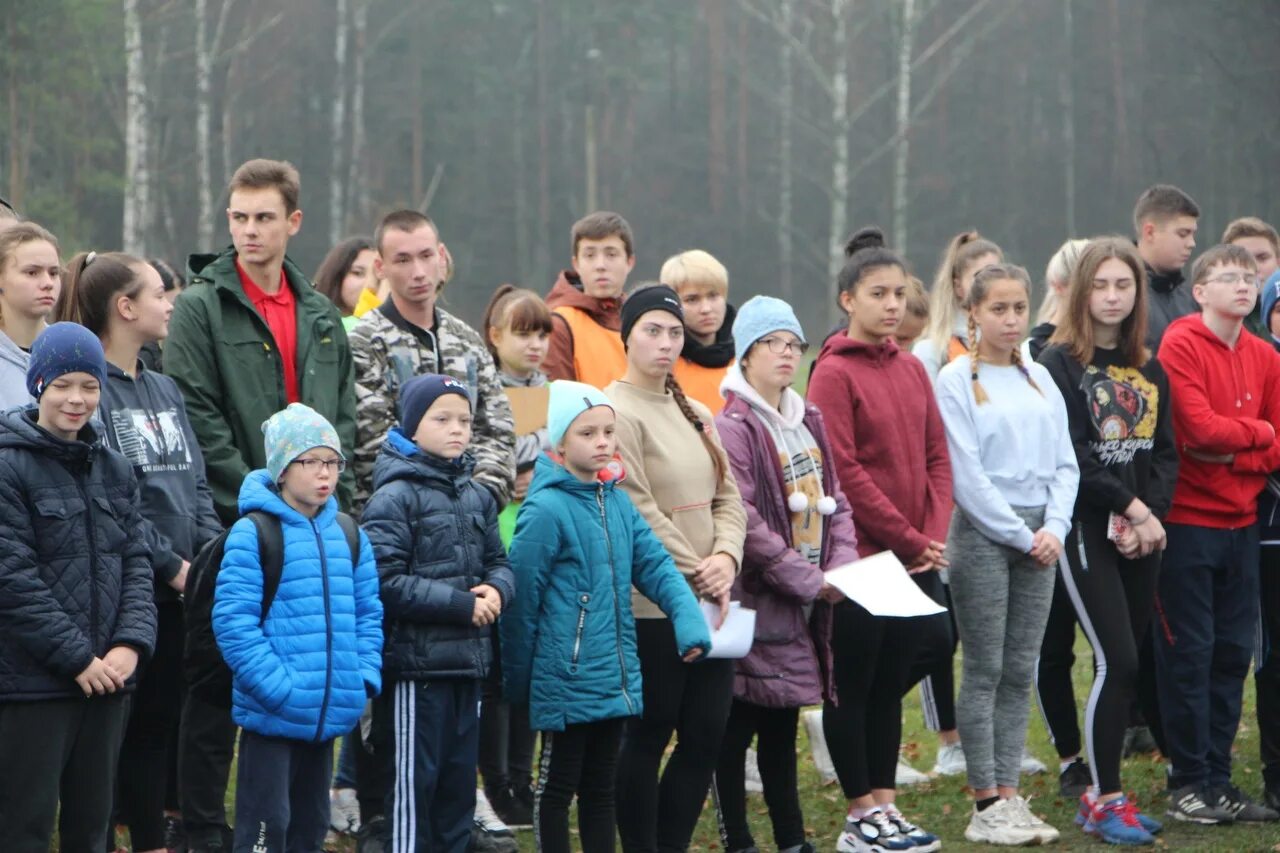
x: 417, y: 395
x: 61, y: 349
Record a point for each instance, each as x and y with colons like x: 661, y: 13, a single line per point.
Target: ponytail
x: 699, y: 426
x: 91, y: 285
x: 963, y: 250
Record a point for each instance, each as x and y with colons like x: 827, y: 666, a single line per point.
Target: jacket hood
x: 259, y: 493
x: 197, y: 262
x: 13, y: 354
x: 568, y: 292
x: 401, y: 459
x: 719, y: 353
x: 18, y: 429
x: 550, y: 474
x: 790, y: 415
x: 537, y: 379
x: 1193, y: 324
x: 843, y: 345
x: 220, y: 270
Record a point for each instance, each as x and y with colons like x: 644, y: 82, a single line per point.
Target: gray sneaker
x: 1231, y: 799
x: 1191, y: 804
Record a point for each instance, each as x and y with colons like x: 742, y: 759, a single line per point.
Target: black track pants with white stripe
x: 1114, y: 600
x: 433, y: 732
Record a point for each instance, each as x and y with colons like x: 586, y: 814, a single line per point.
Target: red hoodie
x: 889, y: 444
x: 1226, y: 401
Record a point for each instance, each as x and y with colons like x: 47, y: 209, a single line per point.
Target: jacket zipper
x: 93, y: 557
x: 613, y: 586
x: 328, y: 633
x: 577, y: 639
x: 462, y: 538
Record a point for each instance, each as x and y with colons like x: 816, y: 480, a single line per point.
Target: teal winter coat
x: 569, y: 641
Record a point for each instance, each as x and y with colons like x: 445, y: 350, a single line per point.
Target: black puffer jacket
x: 435, y: 536
x: 75, y: 571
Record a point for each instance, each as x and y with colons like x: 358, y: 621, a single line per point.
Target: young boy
x: 1225, y: 392
x: 586, y: 303
x: 1165, y: 221
x: 76, y: 608
x: 444, y: 581
x: 301, y: 672
x: 1262, y: 241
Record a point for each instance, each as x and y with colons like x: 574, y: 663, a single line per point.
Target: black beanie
x: 659, y: 298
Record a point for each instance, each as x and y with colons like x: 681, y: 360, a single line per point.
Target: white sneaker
x: 950, y: 760
x: 875, y: 833
x: 1028, y: 819
x: 1000, y: 824
x: 752, y: 769
x: 906, y: 775
x: 344, y: 811
x: 1030, y: 764
x: 818, y: 743
x: 487, y: 819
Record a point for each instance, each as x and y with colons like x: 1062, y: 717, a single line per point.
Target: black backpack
x: 207, y: 674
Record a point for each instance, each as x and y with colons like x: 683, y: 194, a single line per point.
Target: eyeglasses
x: 778, y: 346
x: 311, y: 466
x: 1235, y: 278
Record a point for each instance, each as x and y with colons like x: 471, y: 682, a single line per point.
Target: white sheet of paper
x: 881, y: 584
x: 734, y: 638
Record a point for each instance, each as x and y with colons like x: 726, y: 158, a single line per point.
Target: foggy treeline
x: 761, y: 130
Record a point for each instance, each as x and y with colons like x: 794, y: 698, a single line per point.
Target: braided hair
x: 982, y: 282
x: 701, y: 427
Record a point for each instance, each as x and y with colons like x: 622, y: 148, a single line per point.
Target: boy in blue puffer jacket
x: 569, y: 642
x: 302, y: 675
x: 444, y: 581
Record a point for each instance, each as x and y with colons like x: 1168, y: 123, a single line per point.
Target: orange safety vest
x: 598, y: 356
x: 701, y: 383
x: 956, y: 348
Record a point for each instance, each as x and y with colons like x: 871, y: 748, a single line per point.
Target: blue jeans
x: 1207, y: 612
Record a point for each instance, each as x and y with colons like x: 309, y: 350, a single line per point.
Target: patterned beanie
x: 292, y: 432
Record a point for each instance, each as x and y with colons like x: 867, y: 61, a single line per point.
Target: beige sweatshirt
x: 672, y: 480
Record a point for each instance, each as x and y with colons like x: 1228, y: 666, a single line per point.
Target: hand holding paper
x: 881, y: 585
x: 733, y: 638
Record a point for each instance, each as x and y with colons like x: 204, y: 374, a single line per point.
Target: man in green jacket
x: 250, y: 335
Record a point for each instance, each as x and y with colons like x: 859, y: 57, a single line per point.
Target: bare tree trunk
x: 744, y: 104
x: 589, y: 136
x: 542, y: 255
x: 1066, y: 91
x: 718, y: 146
x: 786, y: 78
x: 839, y: 144
x: 137, y: 189
x: 901, y: 199
x: 228, y: 115
x: 339, y: 118
x: 357, y: 180
x: 17, y: 168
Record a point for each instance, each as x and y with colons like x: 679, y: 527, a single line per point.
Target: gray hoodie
x: 13, y: 374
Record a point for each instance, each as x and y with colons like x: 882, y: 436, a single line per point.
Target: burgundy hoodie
x: 889, y: 444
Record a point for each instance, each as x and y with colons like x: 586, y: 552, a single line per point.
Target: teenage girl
x: 1057, y: 275
x: 798, y: 526
x: 1117, y: 398
x: 680, y: 480
x: 30, y: 280
x: 517, y: 331
x: 946, y: 337
x: 345, y: 274
x: 891, y: 455
x: 121, y: 299
x: 1015, y: 477
x: 569, y: 640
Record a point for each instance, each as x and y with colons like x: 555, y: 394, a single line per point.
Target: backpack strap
x: 270, y: 554
x: 352, y: 531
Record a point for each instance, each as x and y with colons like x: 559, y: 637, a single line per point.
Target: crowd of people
x: 491, y: 561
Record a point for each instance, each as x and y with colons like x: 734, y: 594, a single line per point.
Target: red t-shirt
x: 280, y: 311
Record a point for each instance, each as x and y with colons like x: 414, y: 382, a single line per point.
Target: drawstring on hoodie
x: 798, y: 501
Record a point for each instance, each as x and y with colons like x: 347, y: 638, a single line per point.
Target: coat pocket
x: 584, y: 606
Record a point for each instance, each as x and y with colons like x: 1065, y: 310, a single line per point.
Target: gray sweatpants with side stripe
x: 1001, y: 600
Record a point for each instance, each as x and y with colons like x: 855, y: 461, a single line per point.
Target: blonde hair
x: 19, y: 234
x: 1057, y: 276
x: 961, y: 252
x: 917, y: 299
x: 982, y: 282
x: 695, y: 268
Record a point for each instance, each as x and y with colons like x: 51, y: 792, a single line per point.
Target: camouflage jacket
x: 388, y: 351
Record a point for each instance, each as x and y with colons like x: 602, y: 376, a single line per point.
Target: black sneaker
x: 1138, y: 740
x: 1074, y: 780
x: 372, y: 836
x: 1231, y: 799
x: 485, y: 841
x: 1271, y: 796
x: 514, y: 813
x: 175, y: 835
x: 1190, y: 804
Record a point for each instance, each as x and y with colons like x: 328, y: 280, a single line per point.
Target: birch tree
x: 786, y: 77
x: 840, y: 127
x: 901, y: 203
x: 137, y: 193
x: 336, y: 173
x: 357, y: 193
x: 207, y: 50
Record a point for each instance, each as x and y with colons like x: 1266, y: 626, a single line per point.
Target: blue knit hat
x: 417, y: 395
x: 293, y: 431
x: 567, y: 401
x: 760, y: 316
x: 1270, y: 295
x: 61, y: 349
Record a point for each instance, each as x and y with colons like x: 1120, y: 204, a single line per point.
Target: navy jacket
x: 435, y: 536
x: 75, y: 573
x: 145, y: 419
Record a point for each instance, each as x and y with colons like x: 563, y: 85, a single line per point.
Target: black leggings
x: 874, y: 657
x: 775, y: 729
x: 580, y: 760
x: 1054, y: 690
x: 691, y: 700
x: 147, y: 757
x: 1114, y: 599
x: 934, y: 666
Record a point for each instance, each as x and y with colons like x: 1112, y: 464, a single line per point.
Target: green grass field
x: 942, y: 806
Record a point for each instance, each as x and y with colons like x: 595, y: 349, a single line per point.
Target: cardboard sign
x: 529, y: 405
